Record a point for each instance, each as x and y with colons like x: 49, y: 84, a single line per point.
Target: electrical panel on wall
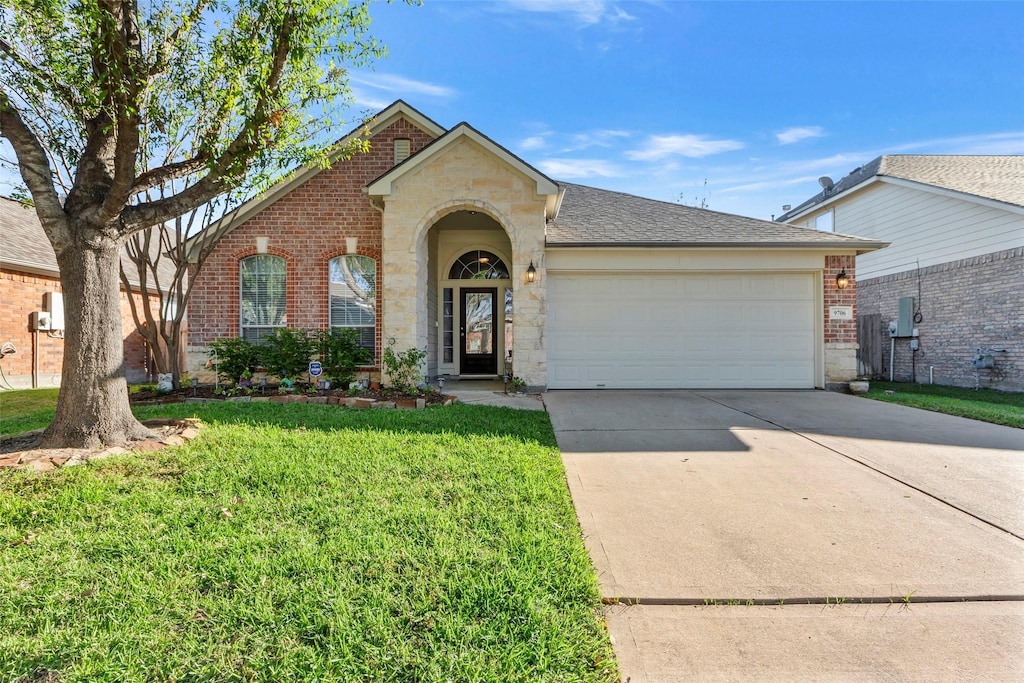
x: 905, y: 320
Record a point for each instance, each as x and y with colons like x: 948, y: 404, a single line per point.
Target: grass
x: 26, y: 409
x: 303, y: 542
x: 987, y: 405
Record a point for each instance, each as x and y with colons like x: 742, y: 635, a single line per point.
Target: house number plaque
x: 840, y: 312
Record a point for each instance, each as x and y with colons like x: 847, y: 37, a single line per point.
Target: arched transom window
x: 478, y: 265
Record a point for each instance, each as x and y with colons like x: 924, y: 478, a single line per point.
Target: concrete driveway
x: 734, y: 521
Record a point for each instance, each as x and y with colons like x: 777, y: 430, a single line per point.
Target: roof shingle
x: 1000, y: 178
x: 591, y: 217
x: 24, y: 245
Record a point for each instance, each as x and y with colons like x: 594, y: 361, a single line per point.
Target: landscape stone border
x: 168, y: 432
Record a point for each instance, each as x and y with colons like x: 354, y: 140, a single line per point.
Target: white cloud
x: 988, y: 143
x: 694, y: 146
x: 594, y: 138
x: 579, y: 168
x: 532, y: 143
x: 585, y: 12
x: 364, y: 100
x: 796, y: 134
x: 401, y: 86
x: 770, y: 184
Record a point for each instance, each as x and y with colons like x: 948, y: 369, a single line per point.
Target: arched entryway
x: 470, y: 307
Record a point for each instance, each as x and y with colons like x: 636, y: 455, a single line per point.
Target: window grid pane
x: 263, y: 295
x: 478, y: 265
x: 353, y: 296
x: 448, y: 316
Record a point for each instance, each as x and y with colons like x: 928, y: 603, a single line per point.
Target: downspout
x: 35, y: 359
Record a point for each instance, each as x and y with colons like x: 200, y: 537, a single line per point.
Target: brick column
x: 840, y: 334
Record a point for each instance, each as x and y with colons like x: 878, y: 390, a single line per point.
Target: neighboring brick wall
x: 22, y: 293
x: 308, y: 227
x: 966, y: 304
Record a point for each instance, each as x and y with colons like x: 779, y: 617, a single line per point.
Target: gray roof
x: 25, y: 246
x: 1000, y: 178
x: 590, y: 217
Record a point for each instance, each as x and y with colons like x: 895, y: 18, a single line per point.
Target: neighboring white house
x: 955, y: 225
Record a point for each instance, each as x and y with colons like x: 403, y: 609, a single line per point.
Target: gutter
x: 862, y: 246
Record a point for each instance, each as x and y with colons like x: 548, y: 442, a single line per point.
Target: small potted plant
x: 859, y: 385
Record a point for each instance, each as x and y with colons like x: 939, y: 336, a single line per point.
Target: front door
x: 479, y: 352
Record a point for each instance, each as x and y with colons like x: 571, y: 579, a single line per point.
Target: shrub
x: 286, y: 352
x: 404, y: 368
x: 234, y: 357
x: 340, y: 355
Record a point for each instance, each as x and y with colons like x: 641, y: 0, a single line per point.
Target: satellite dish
x: 826, y: 183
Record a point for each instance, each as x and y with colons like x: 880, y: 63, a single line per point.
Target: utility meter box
x: 905, y: 320
x: 39, y: 320
x: 53, y: 302
x: 984, y: 361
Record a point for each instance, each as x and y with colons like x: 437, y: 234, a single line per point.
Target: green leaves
x: 250, y: 89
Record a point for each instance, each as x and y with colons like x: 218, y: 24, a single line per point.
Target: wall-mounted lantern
x: 842, y: 280
x: 531, y: 273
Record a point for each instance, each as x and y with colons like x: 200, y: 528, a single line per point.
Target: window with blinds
x: 353, y: 293
x: 263, y: 295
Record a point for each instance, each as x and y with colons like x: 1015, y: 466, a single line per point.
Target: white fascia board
x: 382, y: 187
x: 554, y: 204
x: 954, y: 194
x: 832, y: 200
x: 400, y: 110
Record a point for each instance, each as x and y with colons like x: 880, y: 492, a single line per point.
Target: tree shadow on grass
x: 527, y: 426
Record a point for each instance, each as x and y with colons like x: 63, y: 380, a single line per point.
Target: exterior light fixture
x: 531, y: 273
x: 842, y: 280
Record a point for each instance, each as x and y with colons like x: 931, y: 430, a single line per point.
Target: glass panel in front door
x: 479, y: 307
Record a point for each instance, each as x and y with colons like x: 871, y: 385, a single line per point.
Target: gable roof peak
x: 996, y: 177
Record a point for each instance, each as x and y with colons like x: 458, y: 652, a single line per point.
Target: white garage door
x: 686, y: 331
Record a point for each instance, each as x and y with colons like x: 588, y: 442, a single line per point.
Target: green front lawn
x: 23, y: 410
x: 988, y: 405
x: 302, y: 542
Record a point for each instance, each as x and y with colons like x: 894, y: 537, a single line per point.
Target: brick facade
x: 307, y: 227
x: 840, y: 335
x: 21, y: 293
x: 966, y: 304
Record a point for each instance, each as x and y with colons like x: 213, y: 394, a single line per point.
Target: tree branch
x: 66, y: 94
x: 165, y: 174
x: 124, y: 45
x: 229, y: 169
x: 36, y: 172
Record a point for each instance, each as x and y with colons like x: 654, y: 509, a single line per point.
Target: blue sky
x: 759, y: 99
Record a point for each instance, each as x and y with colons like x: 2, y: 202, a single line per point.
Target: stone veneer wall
x: 22, y: 293
x: 307, y: 227
x: 465, y: 176
x: 966, y: 304
x: 840, y: 335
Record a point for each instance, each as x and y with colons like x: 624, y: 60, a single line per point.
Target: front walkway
x: 491, y: 393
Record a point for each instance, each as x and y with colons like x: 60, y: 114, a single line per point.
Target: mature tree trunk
x: 92, y: 408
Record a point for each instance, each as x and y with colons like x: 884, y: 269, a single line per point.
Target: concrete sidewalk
x: 724, y: 497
